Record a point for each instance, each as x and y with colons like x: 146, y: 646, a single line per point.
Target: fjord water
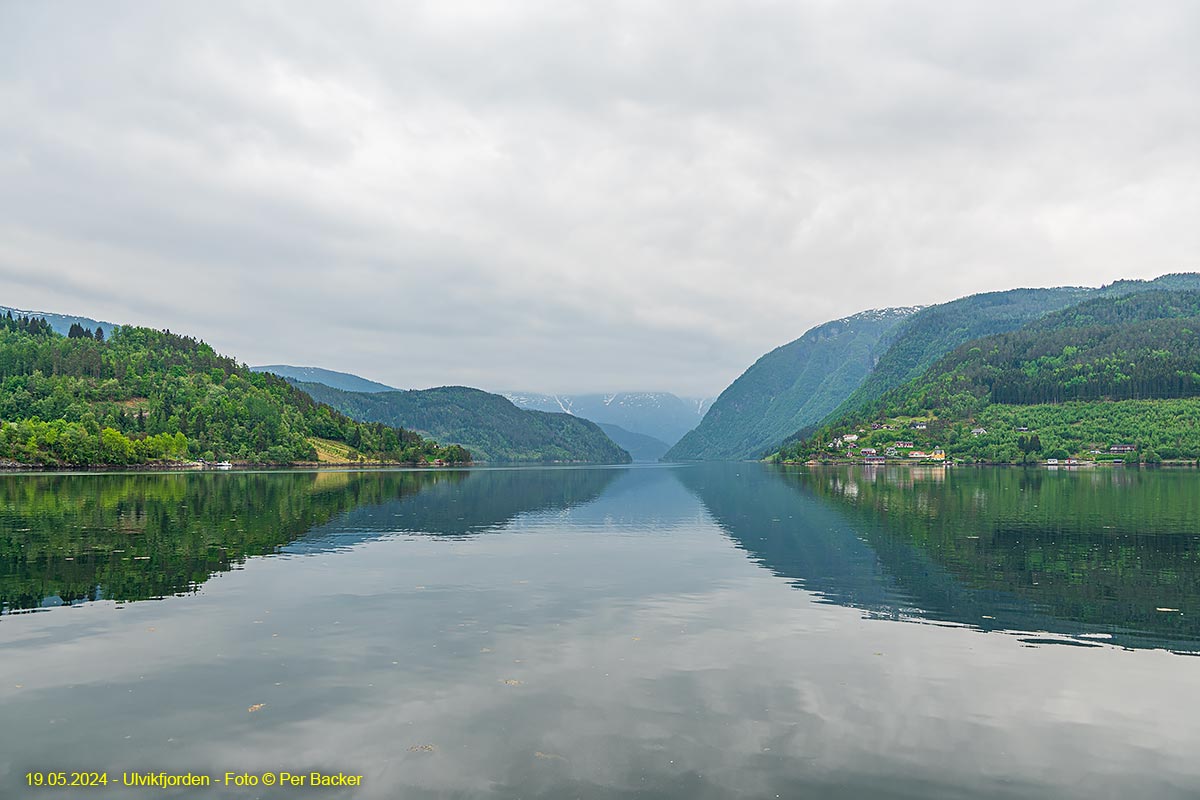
x: 730, y: 630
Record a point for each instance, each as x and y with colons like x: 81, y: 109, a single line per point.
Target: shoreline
x: 236, y: 466
x: 1039, y: 464
x: 12, y: 468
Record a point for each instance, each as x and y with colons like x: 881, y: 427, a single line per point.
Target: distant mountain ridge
x: 345, y: 381
x: 61, y: 323
x: 661, y: 415
x: 792, y: 386
x: 497, y: 430
x: 639, y: 445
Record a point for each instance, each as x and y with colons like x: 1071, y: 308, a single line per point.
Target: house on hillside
x: 918, y: 454
x: 875, y: 460
x: 902, y: 444
x: 938, y: 454
x: 979, y: 431
x: 850, y: 437
x: 869, y: 451
x: 1122, y: 448
x: 920, y: 426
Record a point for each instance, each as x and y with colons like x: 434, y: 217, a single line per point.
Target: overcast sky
x: 581, y: 197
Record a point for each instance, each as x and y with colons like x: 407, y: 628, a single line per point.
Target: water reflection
x: 1097, y: 555
x: 69, y: 538
x: 604, y: 634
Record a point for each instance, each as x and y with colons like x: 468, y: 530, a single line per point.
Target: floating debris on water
x: 511, y: 682
x: 422, y: 748
x: 256, y: 707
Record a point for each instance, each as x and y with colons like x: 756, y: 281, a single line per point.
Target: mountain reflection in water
x: 1093, y: 555
x: 672, y: 632
x: 67, y: 538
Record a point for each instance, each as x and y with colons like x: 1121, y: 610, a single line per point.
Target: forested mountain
x: 640, y: 446
x: 795, y: 385
x: 1119, y: 369
x: 338, y: 380
x: 488, y: 425
x: 936, y: 330
x: 661, y: 415
x: 140, y: 395
x: 841, y: 366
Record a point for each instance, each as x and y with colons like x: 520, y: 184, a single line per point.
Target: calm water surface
x: 654, y: 632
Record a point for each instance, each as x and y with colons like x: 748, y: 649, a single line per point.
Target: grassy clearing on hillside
x: 331, y: 452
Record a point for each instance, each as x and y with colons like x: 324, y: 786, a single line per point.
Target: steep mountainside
x: 661, y: 415
x: 639, y: 445
x: 1114, y: 370
x: 937, y: 330
x: 140, y: 395
x: 792, y: 386
x: 337, y: 380
x: 488, y: 425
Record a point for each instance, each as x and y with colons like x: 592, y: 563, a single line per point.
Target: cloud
x: 580, y: 197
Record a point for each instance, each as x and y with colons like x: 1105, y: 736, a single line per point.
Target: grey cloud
x: 580, y: 197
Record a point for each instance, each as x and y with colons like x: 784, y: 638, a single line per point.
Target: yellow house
x: 938, y: 454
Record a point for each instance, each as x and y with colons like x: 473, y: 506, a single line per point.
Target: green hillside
x: 934, y: 331
x: 141, y: 396
x: 488, y: 425
x: 791, y: 387
x: 1114, y: 370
